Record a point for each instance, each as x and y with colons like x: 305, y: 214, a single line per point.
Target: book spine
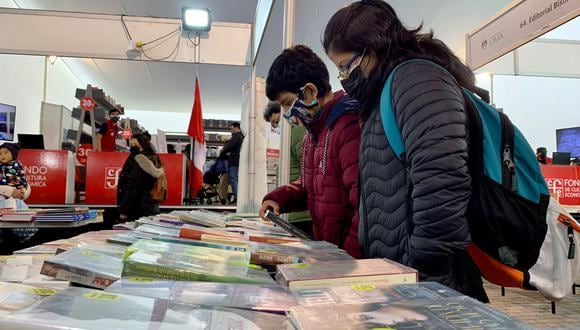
x: 386, y: 279
x: 270, y: 259
x: 271, y: 240
x: 84, y: 277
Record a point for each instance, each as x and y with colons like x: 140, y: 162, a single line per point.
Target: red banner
x: 104, y: 168
x: 565, y: 181
x: 47, y: 174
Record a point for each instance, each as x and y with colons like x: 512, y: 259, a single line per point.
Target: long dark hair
x: 373, y: 25
x: 144, y: 140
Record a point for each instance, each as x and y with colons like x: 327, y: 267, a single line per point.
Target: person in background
x: 171, y: 148
x: 298, y: 80
x: 272, y: 114
x: 14, y: 187
x: 231, y: 152
x: 137, y: 178
x: 542, y: 156
x: 412, y: 211
x: 108, y: 132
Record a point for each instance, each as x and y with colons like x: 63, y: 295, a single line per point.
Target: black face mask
x: 134, y: 150
x: 115, y: 119
x: 354, y: 84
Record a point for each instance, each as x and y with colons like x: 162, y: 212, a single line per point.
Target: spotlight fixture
x: 196, y: 19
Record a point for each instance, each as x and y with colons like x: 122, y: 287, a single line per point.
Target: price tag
x: 42, y: 291
x: 141, y: 279
x: 363, y: 287
x: 101, y: 296
x: 87, y: 103
x: 83, y: 152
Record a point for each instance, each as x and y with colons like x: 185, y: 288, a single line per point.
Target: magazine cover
x: 369, y: 293
x: 447, y: 313
x: 345, y: 272
x: 14, y: 297
x: 76, y: 308
x: 267, y: 298
x: 173, y: 266
x: 84, y: 266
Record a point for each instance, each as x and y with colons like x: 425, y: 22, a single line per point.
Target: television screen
x: 568, y: 140
x: 7, y: 118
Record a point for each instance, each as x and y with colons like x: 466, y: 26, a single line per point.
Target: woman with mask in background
x: 137, y: 179
x: 412, y: 210
x: 298, y: 80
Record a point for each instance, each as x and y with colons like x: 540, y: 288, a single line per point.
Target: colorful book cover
x: 267, y: 298
x: 274, y: 254
x: 370, y: 293
x: 84, y: 266
x: 344, y: 272
x: 197, y: 232
x: 173, y: 266
x: 446, y: 313
x: 78, y: 308
x: 14, y: 297
x: 197, y: 252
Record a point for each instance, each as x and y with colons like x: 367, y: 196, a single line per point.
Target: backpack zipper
x: 511, y: 168
x: 507, y: 157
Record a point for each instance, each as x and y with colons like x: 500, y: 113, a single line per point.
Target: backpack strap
x: 387, y: 110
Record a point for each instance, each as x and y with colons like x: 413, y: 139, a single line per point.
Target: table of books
x: 205, y: 270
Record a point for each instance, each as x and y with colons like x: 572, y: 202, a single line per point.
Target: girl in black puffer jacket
x: 137, y: 179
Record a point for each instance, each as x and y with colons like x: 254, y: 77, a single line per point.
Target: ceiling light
x: 196, y: 19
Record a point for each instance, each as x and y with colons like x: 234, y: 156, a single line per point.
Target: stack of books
x: 64, y: 215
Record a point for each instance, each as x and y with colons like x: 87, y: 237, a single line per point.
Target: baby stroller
x: 213, y: 171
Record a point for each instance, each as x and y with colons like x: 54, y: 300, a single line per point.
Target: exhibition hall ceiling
x: 169, y: 87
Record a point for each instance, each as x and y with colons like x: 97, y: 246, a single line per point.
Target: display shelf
x: 54, y: 224
x: 215, y: 143
x: 102, y: 100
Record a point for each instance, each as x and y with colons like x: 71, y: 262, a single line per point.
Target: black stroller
x: 211, y: 179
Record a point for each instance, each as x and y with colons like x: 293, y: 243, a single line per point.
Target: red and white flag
x: 196, y: 131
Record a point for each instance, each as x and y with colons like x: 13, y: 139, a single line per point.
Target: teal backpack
x: 507, y: 211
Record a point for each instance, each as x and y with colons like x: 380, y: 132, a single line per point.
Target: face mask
x: 298, y: 112
x: 354, y: 84
x: 115, y: 119
x: 134, y: 150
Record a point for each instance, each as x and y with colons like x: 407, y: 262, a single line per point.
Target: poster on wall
x: 565, y: 182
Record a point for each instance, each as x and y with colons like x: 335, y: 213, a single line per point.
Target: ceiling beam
x: 36, y: 32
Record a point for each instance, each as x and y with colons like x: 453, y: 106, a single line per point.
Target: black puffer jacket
x: 415, y: 214
x: 135, y: 185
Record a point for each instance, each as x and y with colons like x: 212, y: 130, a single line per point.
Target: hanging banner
x: 518, y: 24
x: 564, y: 181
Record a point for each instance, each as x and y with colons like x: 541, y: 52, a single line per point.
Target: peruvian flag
x: 196, y: 131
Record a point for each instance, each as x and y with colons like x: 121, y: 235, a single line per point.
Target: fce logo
x: 555, y: 185
x: 112, y: 177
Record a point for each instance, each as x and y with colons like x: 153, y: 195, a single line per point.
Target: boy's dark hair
x: 272, y: 108
x: 293, y: 69
x: 237, y: 125
x: 114, y: 110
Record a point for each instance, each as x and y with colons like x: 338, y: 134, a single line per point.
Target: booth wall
x: 539, y: 105
x: 22, y: 85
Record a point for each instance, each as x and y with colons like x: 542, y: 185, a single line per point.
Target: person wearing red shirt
x: 108, y: 132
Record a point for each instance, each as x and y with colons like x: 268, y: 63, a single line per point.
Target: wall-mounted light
x: 52, y: 59
x: 196, y: 19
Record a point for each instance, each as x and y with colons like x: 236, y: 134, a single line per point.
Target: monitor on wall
x: 7, y: 119
x: 568, y: 140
